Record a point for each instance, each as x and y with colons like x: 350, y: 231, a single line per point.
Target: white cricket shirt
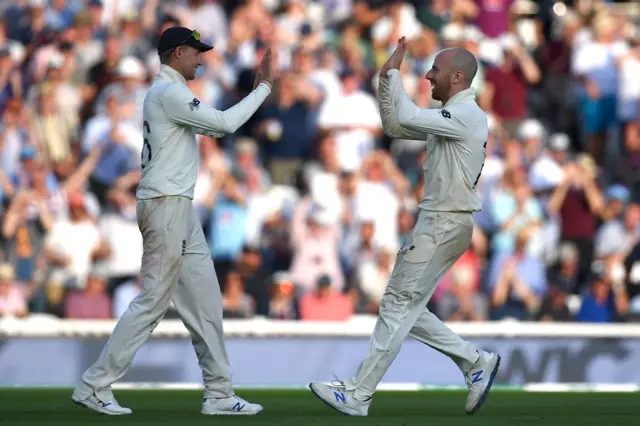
x: 456, y: 138
x: 172, y: 118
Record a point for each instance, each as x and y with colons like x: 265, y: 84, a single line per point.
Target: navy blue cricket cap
x: 177, y: 36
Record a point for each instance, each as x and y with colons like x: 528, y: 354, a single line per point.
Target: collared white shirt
x: 456, y: 138
x: 173, y: 116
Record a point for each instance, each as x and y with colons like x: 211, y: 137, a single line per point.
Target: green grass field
x: 30, y: 407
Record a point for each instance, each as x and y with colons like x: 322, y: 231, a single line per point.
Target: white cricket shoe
x: 232, y: 406
x: 111, y: 408
x: 336, y: 396
x: 479, y: 380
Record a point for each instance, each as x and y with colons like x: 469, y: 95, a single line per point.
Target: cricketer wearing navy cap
x: 176, y: 261
x: 174, y: 37
x: 178, y: 36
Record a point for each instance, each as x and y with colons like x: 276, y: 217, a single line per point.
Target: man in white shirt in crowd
x: 456, y: 148
x: 352, y: 118
x: 73, y: 244
x: 595, y: 64
x: 176, y: 262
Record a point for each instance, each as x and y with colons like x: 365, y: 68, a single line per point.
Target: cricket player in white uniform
x: 456, y: 138
x: 176, y: 262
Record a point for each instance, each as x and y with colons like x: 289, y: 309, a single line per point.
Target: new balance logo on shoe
x: 477, y: 376
x: 238, y: 407
x: 340, y: 397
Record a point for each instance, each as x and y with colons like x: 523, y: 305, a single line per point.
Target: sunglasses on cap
x: 179, y: 36
x: 194, y: 34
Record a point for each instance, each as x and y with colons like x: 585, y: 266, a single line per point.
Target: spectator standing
x: 286, y: 130
x: 509, y: 80
x: 578, y: 202
x: 353, y: 119
x: 595, y: 64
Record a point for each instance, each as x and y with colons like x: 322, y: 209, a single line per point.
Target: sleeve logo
x: 194, y: 104
x: 445, y: 113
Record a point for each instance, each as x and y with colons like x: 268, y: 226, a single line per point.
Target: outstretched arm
x: 411, y: 117
x: 184, y: 108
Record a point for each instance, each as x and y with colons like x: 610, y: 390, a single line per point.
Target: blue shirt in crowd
x: 116, y: 160
x: 297, y: 131
x: 592, y: 311
x: 228, y: 229
x: 504, y: 206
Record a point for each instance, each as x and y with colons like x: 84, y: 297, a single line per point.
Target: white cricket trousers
x: 176, y: 265
x: 437, y: 241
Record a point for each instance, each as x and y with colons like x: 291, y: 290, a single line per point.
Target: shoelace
x: 336, y: 382
x: 241, y: 400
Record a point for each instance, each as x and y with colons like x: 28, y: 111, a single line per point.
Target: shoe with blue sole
x: 337, y: 397
x: 479, y: 380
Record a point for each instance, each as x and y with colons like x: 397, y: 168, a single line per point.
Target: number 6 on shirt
x: 146, y: 148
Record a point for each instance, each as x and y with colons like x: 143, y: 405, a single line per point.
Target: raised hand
x: 396, y: 58
x: 265, y: 72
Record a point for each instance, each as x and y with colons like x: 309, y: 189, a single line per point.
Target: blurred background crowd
x: 305, y: 207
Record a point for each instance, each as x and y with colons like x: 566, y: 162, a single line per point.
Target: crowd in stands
x: 306, y: 206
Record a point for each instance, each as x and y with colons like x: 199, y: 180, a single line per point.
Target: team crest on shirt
x: 194, y: 104
x: 445, y: 113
